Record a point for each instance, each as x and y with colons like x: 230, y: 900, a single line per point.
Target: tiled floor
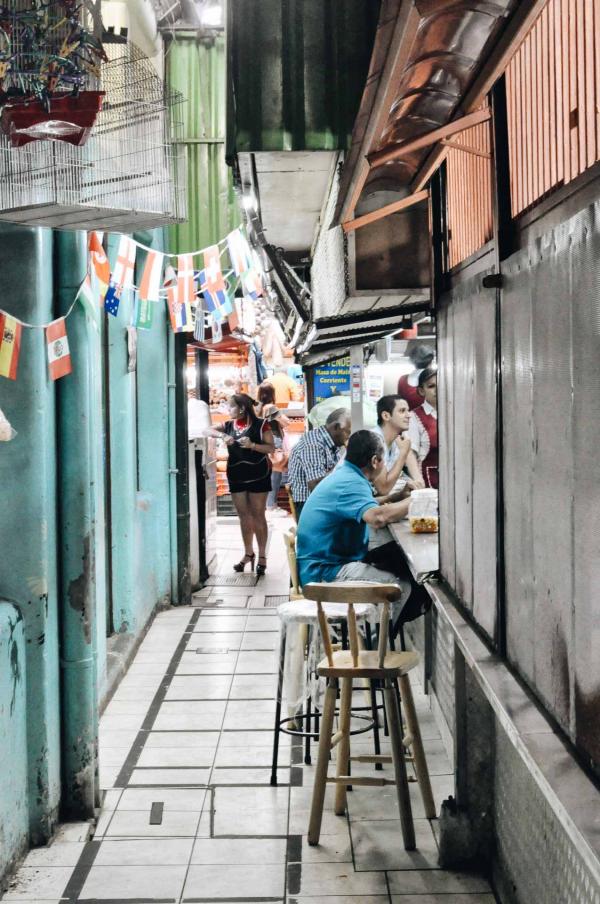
x: 189, y: 814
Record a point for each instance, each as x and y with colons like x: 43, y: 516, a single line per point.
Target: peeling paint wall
x: 14, y: 823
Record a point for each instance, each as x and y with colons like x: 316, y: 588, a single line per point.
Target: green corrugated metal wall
x: 197, y: 69
x: 297, y: 70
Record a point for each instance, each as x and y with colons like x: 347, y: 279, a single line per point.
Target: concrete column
x: 80, y: 538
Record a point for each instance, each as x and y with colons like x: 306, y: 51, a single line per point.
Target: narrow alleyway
x: 189, y: 815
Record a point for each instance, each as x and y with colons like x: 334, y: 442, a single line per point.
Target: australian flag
x: 112, y: 299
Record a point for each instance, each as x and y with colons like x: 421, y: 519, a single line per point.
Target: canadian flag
x: 59, y: 356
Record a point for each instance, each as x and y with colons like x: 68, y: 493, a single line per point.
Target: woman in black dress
x: 249, y: 442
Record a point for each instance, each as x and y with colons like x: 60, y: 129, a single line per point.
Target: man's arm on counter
x: 387, y: 513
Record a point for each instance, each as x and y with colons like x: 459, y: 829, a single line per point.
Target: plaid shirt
x: 314, y: 456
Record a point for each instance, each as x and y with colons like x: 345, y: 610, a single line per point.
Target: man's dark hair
x: 427, y: 374
x: 337, y: 417
x: 362, y: 446
x: 386, y: 403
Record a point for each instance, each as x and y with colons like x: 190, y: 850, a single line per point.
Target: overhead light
x: 211, y: 15
x: 249, y: 202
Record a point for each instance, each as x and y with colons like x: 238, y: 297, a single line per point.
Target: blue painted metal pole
x: 78, y: 538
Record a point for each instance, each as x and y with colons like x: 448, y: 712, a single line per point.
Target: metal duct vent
x: 130, y: 174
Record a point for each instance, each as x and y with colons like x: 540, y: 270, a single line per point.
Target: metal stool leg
x: 276, y: 728
x: 374, y: 710
x: 307, y: 757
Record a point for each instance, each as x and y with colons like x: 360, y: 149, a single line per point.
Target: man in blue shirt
x: 333, y: 528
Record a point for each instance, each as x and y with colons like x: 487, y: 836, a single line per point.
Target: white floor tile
x: 123, y: 882
x: 258, y: 880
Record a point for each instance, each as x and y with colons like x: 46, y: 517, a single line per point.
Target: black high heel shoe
x: 241, y: 565
x: 262, y: 566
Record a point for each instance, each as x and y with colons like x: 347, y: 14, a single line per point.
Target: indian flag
x: 59, y: 356
x: 10, y: 345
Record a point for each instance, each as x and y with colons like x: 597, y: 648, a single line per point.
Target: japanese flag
x: 59, y: 356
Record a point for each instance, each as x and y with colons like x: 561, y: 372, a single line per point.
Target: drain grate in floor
x: 231, y: 580
x: 272, y: 601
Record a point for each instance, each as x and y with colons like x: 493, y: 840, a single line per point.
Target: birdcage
x: 130, y: 174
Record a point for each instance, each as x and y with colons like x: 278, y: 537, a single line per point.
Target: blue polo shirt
x: 331, y: 531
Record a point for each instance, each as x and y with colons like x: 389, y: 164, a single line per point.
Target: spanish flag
x: 10, y: 345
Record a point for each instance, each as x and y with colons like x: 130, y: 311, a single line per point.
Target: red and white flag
x: 123, y: 272
x: 150, y: 284
x: 186, y: 290
x: 99, y: 260
x: 59, y: 356
x: 212, y: 269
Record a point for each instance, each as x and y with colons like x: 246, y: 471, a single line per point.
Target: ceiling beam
x: 386, y: 211
x: 467, y: 148
x: 405, y: 29
x: 386, y: 155
x: 519, y: 25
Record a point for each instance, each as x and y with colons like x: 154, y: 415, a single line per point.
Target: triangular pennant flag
x: 150, y: 284
x: 186, y: 290
x: 59, y: 356
x: 239, y: 252
x: 143, y: 313
x: 252, y: 284
x: 212, y: 269
x: 100, y: 265
x: 123, y: 272
x: 10, y: 345
x: 112, y: 298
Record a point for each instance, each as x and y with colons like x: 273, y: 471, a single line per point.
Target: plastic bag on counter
x: 6, y: 431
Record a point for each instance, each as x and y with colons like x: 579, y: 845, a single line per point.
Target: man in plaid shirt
x: 316, y: 454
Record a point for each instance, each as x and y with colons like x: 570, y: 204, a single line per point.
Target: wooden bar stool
x: 392, y: 670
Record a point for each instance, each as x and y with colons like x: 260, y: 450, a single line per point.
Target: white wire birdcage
x: 129, y: 175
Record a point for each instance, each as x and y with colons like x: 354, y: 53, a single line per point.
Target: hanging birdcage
x: 130, y: 173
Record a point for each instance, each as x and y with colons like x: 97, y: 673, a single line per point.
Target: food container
x: 423, y: 511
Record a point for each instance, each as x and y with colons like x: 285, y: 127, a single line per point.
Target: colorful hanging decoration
x: 239, y: 252
x: 125, y: 266
x: 252, y: 284
x: 59, y: 356
x: 10, y: 345
x: 186, y: 290
x: 213, y: 276
x: 150, y: 285
x: 143, y: 313
x: 49, y: 64
x: 100, y: 264
x: 112, y: 299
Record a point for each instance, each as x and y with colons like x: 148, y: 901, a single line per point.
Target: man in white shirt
x: 393, y: 417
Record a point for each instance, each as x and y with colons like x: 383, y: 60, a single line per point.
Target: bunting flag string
x: 195, y: 299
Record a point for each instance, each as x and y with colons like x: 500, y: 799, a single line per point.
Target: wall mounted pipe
x: 78, y: 540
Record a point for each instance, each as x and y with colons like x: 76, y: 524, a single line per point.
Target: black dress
x: 248, y: 471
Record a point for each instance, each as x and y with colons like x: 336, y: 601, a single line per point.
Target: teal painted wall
x: 139, y: 465
x: 14, y: 824
x: 53, y: 561
x: 28, y: 569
